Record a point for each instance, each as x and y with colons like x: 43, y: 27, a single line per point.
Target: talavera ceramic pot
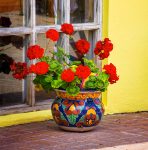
x: 77, y: 113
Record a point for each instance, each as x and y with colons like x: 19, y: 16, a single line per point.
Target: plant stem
x: 47, y: 48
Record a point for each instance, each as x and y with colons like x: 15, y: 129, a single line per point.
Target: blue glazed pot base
x: 74, y: 129
x: 77, y: 114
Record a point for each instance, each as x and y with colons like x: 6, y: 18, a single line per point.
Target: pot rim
x: 90, y: 91
x: 82, y: 95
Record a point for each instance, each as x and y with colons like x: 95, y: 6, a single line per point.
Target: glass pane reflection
x: 46, y: 11
x: 10, y: 89
x: 11, y: 13
x: 81, y: 11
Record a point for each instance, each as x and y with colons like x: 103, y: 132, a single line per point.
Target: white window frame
x: 33, y: 29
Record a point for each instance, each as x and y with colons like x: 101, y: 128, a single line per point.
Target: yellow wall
x: 128, y: 30
x: 105, y: 34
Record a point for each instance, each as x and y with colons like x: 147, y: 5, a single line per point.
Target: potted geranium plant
x: 78, y: 83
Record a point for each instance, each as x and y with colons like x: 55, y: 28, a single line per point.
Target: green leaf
x: 36, y: 80
x: 61, y: 49
x: 77, y: 80
x: 73, y: 90
x: 42, y: 80
x: 73, y: 68
x: 58, y: 54
x: 48, y: 78
x: 46, y: 59
x: 102, y: 86
x: 75, y: 63
x: 95, y: 70
x: 103, y: 76
x: 47, y: 87
x: 91, y: 65
x: 90, y: 85
x: 99, y: 84
x: 92, y: 78
x: 55, y: 65
x: 56, y: 83
x: 64, y: 85
x: 105, y: 86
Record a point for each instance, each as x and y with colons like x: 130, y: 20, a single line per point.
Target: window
x: 24, y: 22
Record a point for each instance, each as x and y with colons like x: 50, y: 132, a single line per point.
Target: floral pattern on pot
x: 77, y: 113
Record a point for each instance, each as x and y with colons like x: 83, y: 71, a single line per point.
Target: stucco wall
x: 128, y: 29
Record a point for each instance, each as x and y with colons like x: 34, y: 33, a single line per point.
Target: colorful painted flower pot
x: 77, y: 113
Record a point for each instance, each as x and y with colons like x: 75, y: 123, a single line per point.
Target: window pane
x: 87, y: 35
x: 46, y: 12
x: 48, y: 46
x: 12, y: 13
x: 11, y: 90
x: 81, y: 11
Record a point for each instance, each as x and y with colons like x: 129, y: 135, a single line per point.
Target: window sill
x: 22, y: 108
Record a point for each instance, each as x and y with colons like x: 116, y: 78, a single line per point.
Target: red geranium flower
x: 67, y: 75
x: 108, y: 46
x: 104, y: 54
x: 34, y: 52
x: 67, y: 28
x: 52, y: 34
x: 113, y: 78
x: 101, y: 53
x: 19, y: 70
x: 103, y: 48
x: 99, y: 45
x: 32, y: 69
x: 82, y: 46
x: 111, y: 71
x: 98, y: 48
x: 83, y: 71
x: 97, y: 51
x: 39, y: 68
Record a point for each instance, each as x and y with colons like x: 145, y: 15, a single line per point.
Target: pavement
x: 115, y: 132
x: 139, y: 146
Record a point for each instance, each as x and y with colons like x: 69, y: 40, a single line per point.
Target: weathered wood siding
x: 9, y: 5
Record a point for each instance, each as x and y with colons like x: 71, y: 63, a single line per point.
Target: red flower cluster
x: 83, y: 71
x: 19, y: 70
x: 52, y: 35
x: 82, y: 46
x: 67, y: 28
x: 67, y: 75
x: 103, y: 48
x: 34, y: 52
x: 39, y: 68
x: 111, y: 70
